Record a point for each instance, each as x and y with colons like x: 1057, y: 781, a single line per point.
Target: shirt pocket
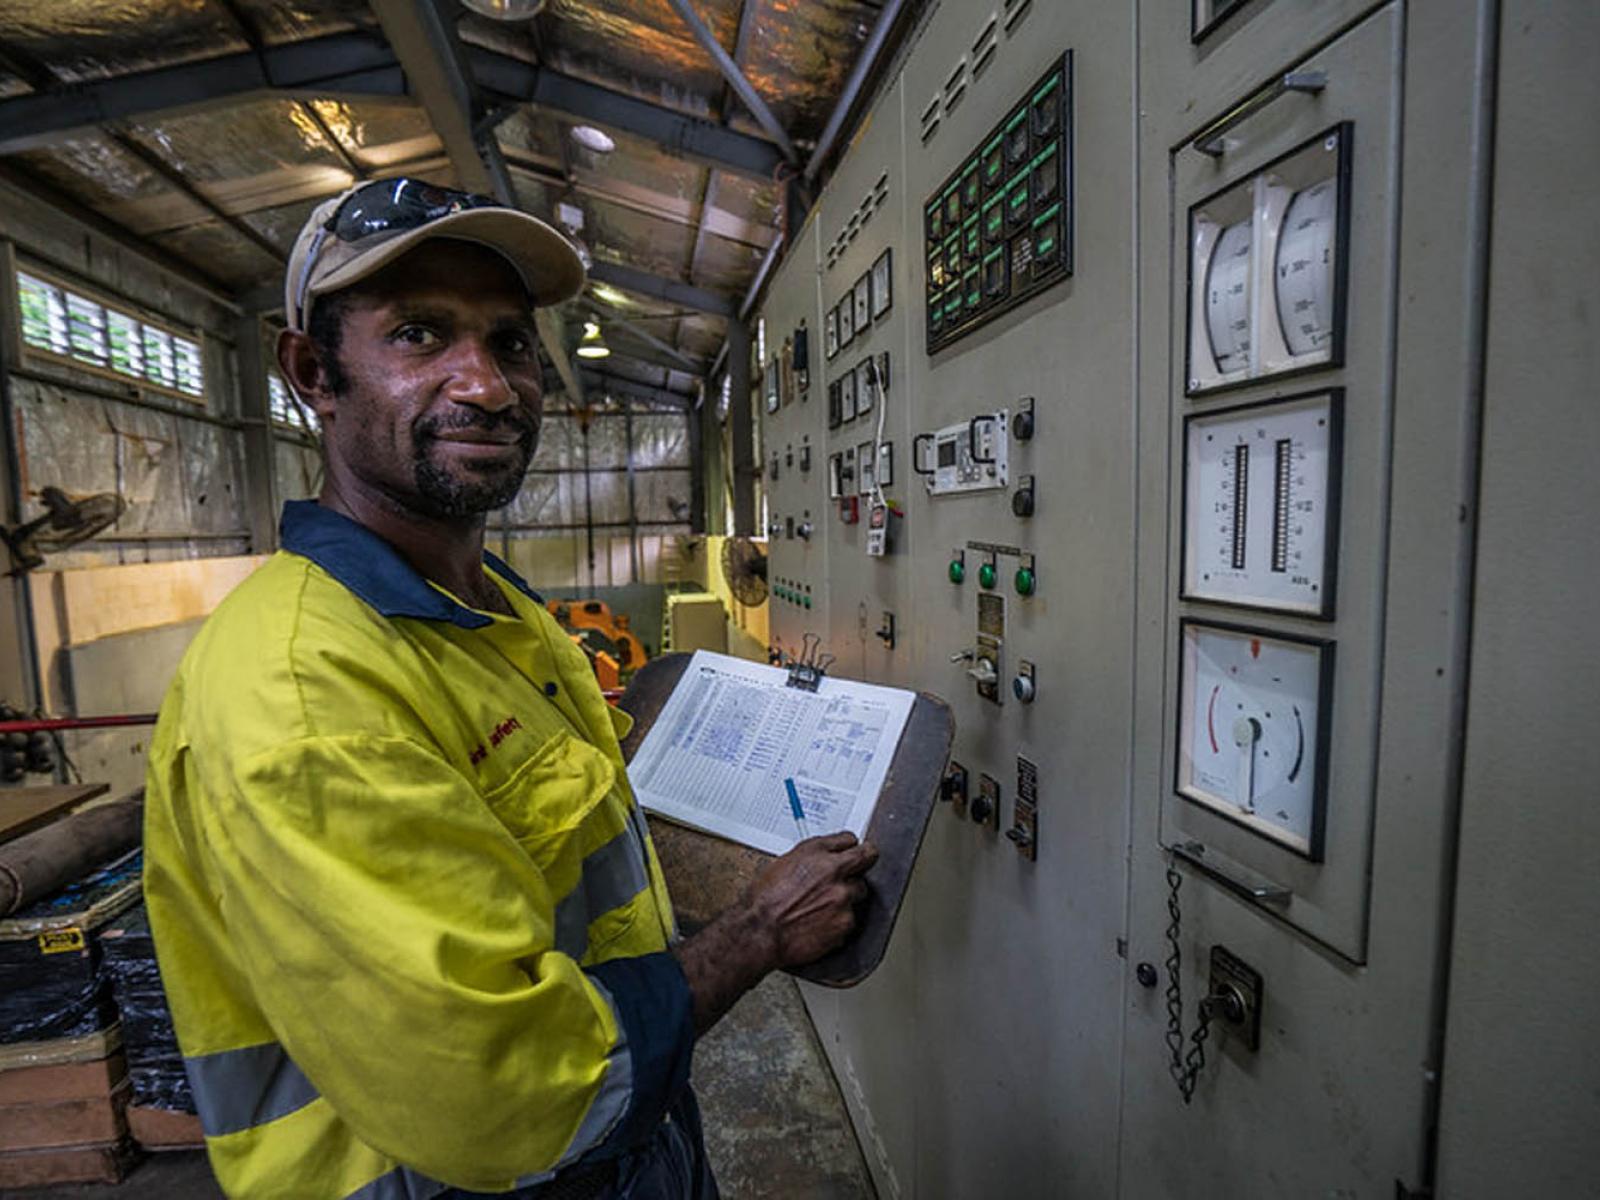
x: 554, y: 806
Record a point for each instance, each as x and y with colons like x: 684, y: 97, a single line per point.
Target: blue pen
x: 797, y: 809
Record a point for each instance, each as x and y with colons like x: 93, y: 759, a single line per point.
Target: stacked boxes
x: 63, y: 1082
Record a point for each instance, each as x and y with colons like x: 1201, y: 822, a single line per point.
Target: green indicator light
x: 986, y: 575
x: 958, y: 571
x: 995, y: 144
x: 1047, y: 215
x: 1024, y: 581
x: 1046, y: 89
x: 1016, y: 120
x: 1046, y: 245
x: 1046, y: 154
x: 808, y: 601
x: 992, y: 255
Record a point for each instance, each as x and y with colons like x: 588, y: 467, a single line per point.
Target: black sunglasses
x: 386, y: 206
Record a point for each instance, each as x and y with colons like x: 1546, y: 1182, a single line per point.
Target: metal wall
x: 1019, y: 1040
x: 1522, y: 1063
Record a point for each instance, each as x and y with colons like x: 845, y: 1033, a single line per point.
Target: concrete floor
x: 775, y: 1123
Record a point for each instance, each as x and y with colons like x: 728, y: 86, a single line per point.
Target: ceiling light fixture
x: 594, y: 139
x: 505, y: 10
x: 592, y: 344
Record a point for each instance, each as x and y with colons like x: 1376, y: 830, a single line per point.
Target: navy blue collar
x: 375, y: 571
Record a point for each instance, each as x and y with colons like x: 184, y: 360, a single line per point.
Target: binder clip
x: 806, y: 672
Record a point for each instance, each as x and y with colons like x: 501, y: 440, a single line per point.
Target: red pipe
x: 36, y: 724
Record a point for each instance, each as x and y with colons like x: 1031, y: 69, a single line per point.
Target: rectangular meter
x: 1253, y: 712
x: 1267, y: 262
x: 971, y: 456
x: 1261, y: 504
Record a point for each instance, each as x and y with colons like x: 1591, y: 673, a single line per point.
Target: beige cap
x: 547, y: 263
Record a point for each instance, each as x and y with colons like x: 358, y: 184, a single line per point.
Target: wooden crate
x: 78, y: 1164
x: 54, y: 1124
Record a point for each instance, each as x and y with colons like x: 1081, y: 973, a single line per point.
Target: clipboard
x: 707, y: 874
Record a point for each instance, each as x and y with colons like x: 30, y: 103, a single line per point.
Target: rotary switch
x: 1022, y: 498
x: 1022, y: 422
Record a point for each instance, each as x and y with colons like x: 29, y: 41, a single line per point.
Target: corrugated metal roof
x: 266, y: 160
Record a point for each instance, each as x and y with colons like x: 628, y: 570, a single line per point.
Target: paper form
x: 733, y: 731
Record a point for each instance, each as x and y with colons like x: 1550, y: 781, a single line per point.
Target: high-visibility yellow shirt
x: 408, y: 917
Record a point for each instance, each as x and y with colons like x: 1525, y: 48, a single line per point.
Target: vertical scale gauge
x: 1228, y: 299
x: 1261, y: 505
x: 1304, y: 270
x: 1252, y: 719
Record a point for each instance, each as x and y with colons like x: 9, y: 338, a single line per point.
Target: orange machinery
x: 604, y: 636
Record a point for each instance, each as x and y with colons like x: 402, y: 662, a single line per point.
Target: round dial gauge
x: 1228, y: 298
x: 1251, y: 730
x: 1304, y: 270
x: 1260, y: 485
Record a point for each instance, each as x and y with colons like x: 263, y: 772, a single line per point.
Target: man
x: 414, y: 935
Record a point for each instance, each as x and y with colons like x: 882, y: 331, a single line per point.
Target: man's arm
x: 796, y: 909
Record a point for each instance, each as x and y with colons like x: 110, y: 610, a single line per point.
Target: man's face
x: 442, y: 406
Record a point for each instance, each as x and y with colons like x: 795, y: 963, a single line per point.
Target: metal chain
x: 1184, y: 1069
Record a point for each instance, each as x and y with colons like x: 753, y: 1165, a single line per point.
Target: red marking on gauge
x: 1255, y: 647
x: 1211, y: 724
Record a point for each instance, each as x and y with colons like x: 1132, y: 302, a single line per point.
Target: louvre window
x: 286, y: 408
x: 60, y: 321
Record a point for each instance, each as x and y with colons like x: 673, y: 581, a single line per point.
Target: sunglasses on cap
x: 387, y: 206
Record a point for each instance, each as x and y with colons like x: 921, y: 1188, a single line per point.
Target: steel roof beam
x: 338, y: 63
x: 643, y: 283
x: 865, y: 62
x: 736, y: 78
x: 692, y: 137
x: 359, y: 65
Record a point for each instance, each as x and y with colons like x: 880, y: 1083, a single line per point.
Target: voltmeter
x: 1252, y: 730
x: 1260, y: 513
x: 1267, y: 264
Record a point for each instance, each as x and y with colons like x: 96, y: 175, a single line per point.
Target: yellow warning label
x: 58, y: 941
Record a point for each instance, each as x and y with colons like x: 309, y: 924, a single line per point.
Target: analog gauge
x: 847, y: 396
x: 1260, y: 505
x: 847, y: 320
x: 1251, y: 731
x: 1228, y: 299
x: 1305, y: 268
x: 830, y: 333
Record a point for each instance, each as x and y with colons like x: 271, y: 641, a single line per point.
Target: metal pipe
x: 59, y: 724
x: 865, y: 61
x: 736, y: 78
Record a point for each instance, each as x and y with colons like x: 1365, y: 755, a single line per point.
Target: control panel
x: 971, y: 456
x: 999, y: 230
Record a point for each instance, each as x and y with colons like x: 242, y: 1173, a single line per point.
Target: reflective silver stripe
x: 612, y: 875
x: 240, y: 1089
x: 402, y: 1183
x: 610, y: 1103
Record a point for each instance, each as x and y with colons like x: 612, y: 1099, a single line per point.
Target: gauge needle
x: 1246, y: 733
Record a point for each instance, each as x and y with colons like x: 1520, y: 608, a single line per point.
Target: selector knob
x: 981, y: 808
x: 1022, y: 688
x: 1022, y: 501
x: 774, y: 529
x: 804, y: 530
x: 1022, y: 425
x: 984, y: 672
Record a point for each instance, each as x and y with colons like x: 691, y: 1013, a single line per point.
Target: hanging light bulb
x: 505, y: 10
x: 592, y: 345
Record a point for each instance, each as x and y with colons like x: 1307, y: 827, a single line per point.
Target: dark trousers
x: 671, y: 1166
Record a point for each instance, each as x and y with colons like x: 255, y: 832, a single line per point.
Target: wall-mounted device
x: 1261, y: 491
x: 1267, y: 269
x: 999, y: 229
x: 1253, y: 712
x: 1024, y: 831
x: 972, y: 456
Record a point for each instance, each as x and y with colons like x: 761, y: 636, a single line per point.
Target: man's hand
x: 796, y: 909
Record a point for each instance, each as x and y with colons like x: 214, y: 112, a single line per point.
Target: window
x: 285, y: 407
x: 59, y: 321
